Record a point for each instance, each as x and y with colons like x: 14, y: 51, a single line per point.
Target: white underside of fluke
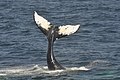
x: 63, y: 30
x: 68, y: 29
x: 41, y: 22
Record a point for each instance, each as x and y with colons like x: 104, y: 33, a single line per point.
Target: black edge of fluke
x: 52, y: 33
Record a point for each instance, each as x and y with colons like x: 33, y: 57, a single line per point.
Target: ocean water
x: 93, y: 53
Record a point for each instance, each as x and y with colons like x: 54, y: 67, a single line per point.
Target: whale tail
x: 52, y: 33
x: 61, y: 31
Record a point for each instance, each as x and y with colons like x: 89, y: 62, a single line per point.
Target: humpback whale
x: 52, y: 33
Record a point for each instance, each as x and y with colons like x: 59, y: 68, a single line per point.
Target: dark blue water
x: 96, y: 44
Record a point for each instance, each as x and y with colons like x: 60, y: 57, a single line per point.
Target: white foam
x: 3, y: 74
x: 36, y: 70
x: 54, y: 71
x: 80, y: 68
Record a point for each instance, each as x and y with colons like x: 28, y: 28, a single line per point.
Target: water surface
x: 95, y: 46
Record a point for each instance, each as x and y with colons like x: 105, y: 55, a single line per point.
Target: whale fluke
x: 52, y: 33
x: 42, y: 23
x: 67, y: 30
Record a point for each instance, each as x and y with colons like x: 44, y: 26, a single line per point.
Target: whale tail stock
x: 52, y: 33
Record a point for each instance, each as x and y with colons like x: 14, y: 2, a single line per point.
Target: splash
x: 36, y: 70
